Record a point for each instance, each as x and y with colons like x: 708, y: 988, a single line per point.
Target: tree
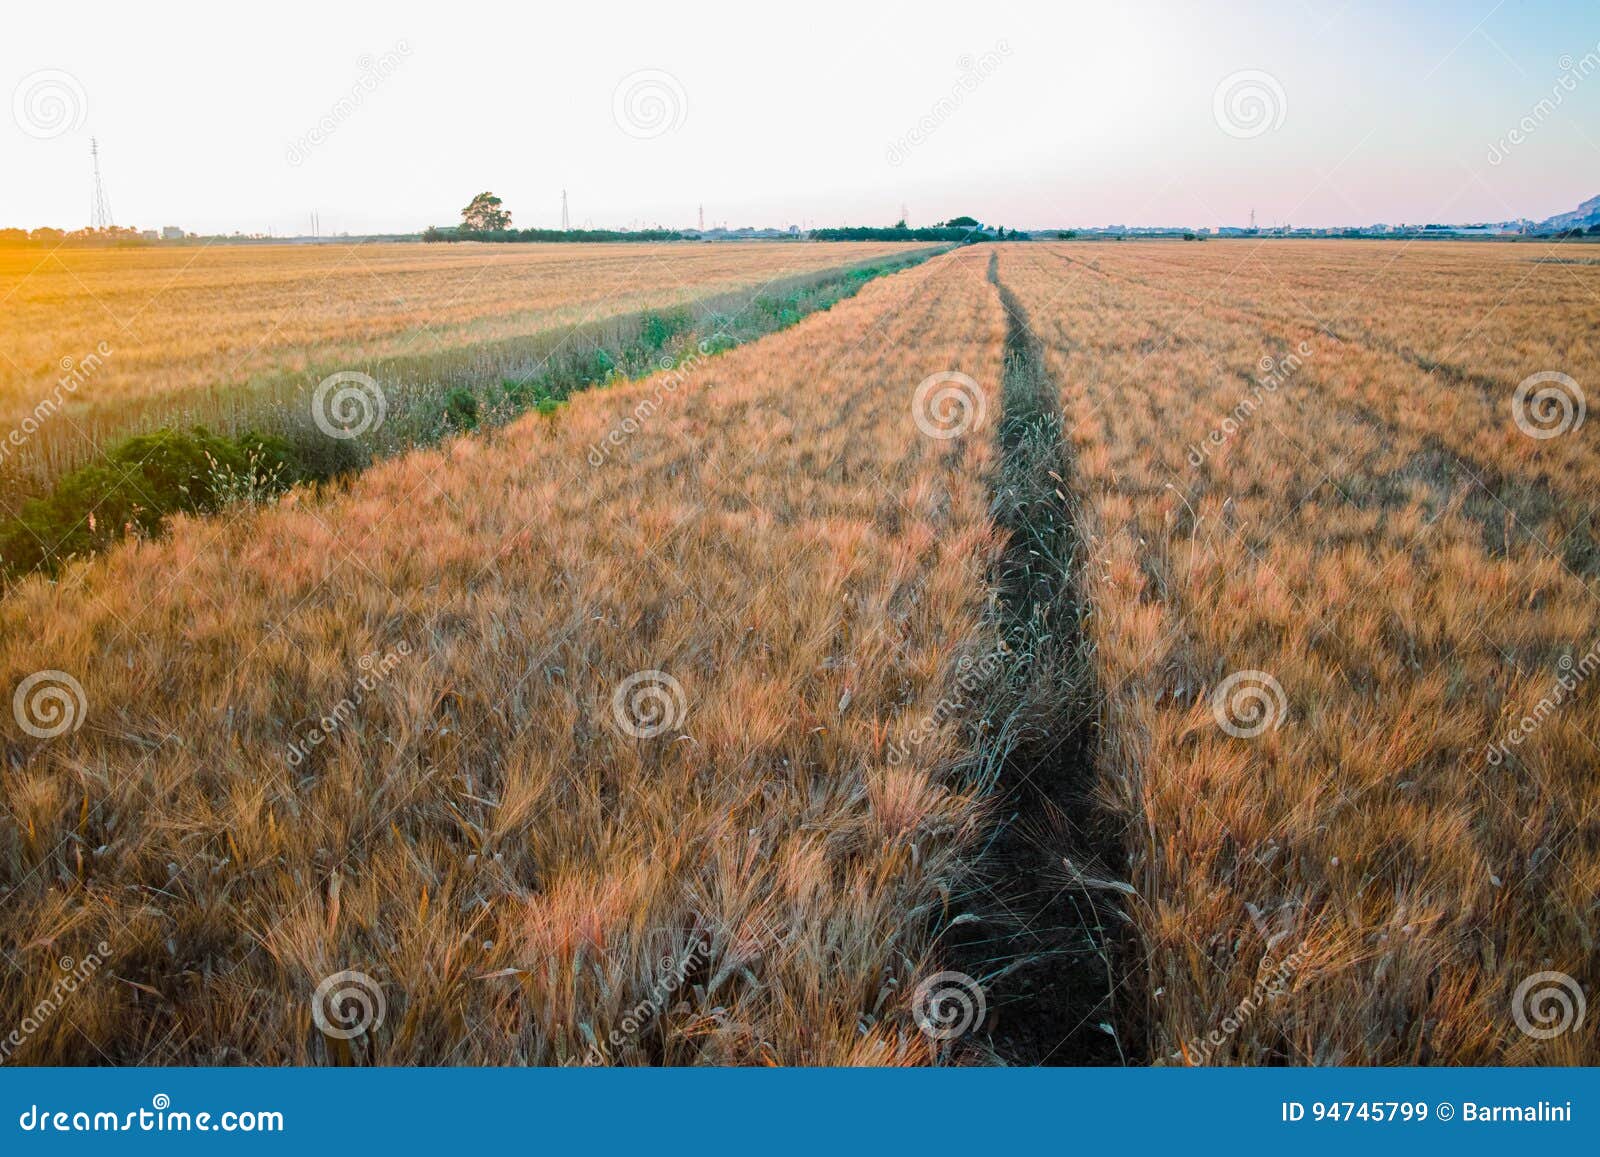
x: 484, y: 214
x: 962, y: 223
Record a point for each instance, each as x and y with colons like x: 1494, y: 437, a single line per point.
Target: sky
x: 389, y: 117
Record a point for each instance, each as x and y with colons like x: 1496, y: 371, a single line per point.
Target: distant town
x: 1581, y: 223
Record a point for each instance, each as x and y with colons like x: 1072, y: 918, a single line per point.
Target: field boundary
x: 276, y: 401
x: 1043, y: 923
x: 267, y: 447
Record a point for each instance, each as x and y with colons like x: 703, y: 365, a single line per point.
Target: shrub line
x: 146, y: 478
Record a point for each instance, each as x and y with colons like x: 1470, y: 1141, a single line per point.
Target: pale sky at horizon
x: 1071, y: 114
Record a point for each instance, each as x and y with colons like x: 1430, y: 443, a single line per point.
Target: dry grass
x: 1349, y: 878
x: 1359, y: 883
x: 475, y: 832
x: 209, y: 334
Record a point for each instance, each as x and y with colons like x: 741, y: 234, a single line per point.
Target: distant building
x: 150, y: 234
x: 171, y: 233
x: 743, y: 233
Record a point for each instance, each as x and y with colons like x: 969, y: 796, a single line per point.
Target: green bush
x: 658, y: 327
x: 315, y: 457
x: 520, y: 393
x: 594, y: 365
x: 461, y: 408
x: 142, y: 481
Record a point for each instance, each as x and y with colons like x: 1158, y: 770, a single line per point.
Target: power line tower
x: 702, y: 218
x: 904, y: 215
x: 564, y: 219
x: 1252, y: 220
x: 100, y: 208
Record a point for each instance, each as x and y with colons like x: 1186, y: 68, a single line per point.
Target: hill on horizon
x: 1583, y: 216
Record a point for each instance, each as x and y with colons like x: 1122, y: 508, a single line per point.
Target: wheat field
x: 521, y: 738
x: 644, y: 731
x: 1331, y: 574
x: 212, y: 333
